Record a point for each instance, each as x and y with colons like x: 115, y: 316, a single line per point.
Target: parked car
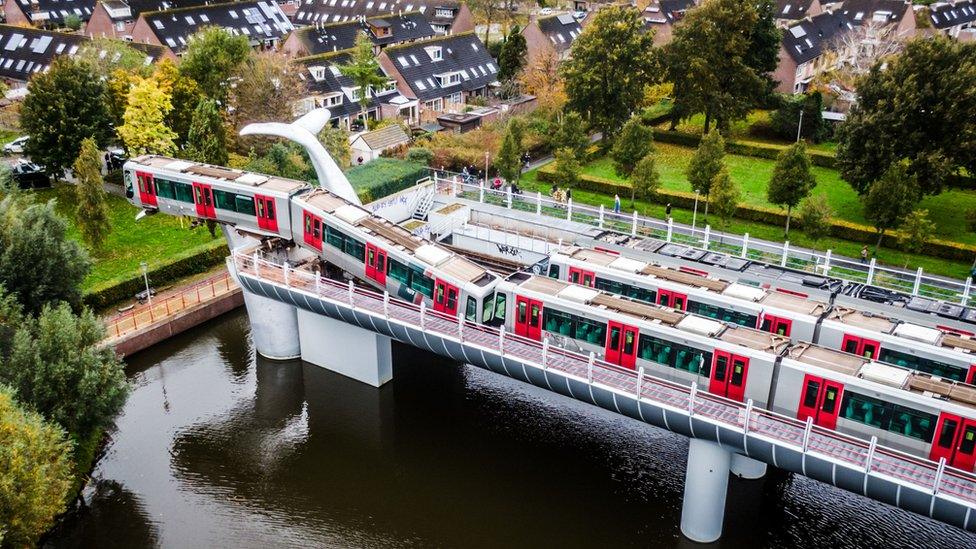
x: 579, y: 15
x: 545, y: 11
x: 29, y: 175
x: 115, y: 159
x: 16, y: 146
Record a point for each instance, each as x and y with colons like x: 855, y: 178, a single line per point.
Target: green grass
x: 744, y: 131
x: 932, y: 265
x: 154, y: 239
x: 947, y: 210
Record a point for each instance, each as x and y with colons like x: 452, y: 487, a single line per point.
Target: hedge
x: 198, y: 261
x: 771, y: 216
x: 751, y: 148
x: 384, y: 176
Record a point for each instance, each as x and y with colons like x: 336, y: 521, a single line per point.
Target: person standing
x: 616, y: 203
x: 667, y: 211
x: 864, y: 254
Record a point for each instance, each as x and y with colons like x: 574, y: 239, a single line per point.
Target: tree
x: 705, y: 164
x: 36, y: 469
x: 485, y: 11
x: 107, y: 55
x: 512, y: 58
x: 59, y: 367
x: 613, y: 62
x: 764, y: 42
x: 266, y: 87
x: 206, y: 141
x: 814, y: 217
x: 336, y: 141
x: 284, y: 160
x: 786, y: 119
x: 509, y: 158
x: 890, y: 199
x: 145, y: 130
x: 184, y: 95
x: 708, y: 60
x: 72, y: 21
x: 917, y: 230
x: 38, y: 263
x: 571, y: 134
x: 541, y: 78
x: 212, y: 55
x: 364, y: 71
x: 635, y: 142
x: 92, y: 210
x: 567, y: 172
x: 791, y: 181
x: 725, y: 196
x: 64, y: 105
x: 644, y: 180
x: 918, y: 106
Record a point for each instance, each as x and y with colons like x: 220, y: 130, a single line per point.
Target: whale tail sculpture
x: 304, y: 131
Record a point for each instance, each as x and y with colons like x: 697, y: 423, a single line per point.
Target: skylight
x: 797, y: 31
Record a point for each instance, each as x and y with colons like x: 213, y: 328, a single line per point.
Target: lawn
x: 933, y: 265
x: 154, y: 239
x: 752, y: 174
x: 745, y: 131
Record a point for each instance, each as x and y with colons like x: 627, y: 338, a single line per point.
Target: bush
x: 420, y: 155
x: 744, y: 148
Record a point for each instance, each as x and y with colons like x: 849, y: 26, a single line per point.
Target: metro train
x: 918, y: 413
x: 364, y: 245
x: 944, y: 352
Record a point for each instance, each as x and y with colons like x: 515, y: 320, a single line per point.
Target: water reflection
x: 217, y: 448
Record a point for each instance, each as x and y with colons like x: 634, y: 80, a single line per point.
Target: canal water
x: 219, y: 448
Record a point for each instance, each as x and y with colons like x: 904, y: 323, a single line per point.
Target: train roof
x: 397, y: 237
x: 655, y: 314
x: 238, y: 177
x: 904, y: 330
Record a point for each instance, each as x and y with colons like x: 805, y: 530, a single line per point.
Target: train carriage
x: 252, y: 202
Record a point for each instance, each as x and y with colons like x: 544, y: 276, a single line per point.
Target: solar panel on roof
x: 42, y: 43
x: 14, y: 42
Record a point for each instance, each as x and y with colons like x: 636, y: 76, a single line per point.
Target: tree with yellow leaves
x: 144, y: 130
x: 541, y: 78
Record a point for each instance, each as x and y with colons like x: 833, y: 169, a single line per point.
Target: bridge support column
x: 345, y: 349
x: 706, y: 485
x: 274, y: 327
x: 747, y: 468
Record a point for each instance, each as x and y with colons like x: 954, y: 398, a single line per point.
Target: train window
x: 830, y: 400
x: 912, y: 423
x: 629, y: 342
x: 399, y: 271
x: 591, y: 331
x: 271, y: 211
x: 620, y: 288
x: 244, y: 204
x: 471, y: 309
x: 452, y: 299
x: 499, y: 314
x: 866, y: 410
x: 334, y: 238
x: 922, y: 364
x: 488, y: 309
x: 557, y: 321
x: 671, y: 354
x: 184, y: 192
x: 968, y: 440
x: 225, y: 200
x: 615, y: 338
x: 948, y: 434
x: 422, y: 284
x: 719, y: 313
x: 554, y: 271
x: 164, y: 189
x: 811, y: 394
x: 308, y: 224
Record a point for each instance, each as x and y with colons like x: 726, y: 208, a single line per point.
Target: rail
x: 162, y: 307
x: 914, y: 283
x: 866, y: 455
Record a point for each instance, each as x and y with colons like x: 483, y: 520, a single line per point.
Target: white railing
x: 848, y: 451
x: 914, y: 283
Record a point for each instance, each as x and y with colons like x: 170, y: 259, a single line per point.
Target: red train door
x: 203, y: 198
x: 776, y: 325
x: 820, y: 399
x: 729, y: 375
x: 971, y: 376
x: 147, y: 189
x: 672, y: 299
x: 580, y: 276
x: 445, y: 297
x: 376, y: 264
x: 955, y: 440
x: 312, y: 229
x: 621, y: 344
x: 528, y: 318
x: 862, y: 346
x: 267, y: 216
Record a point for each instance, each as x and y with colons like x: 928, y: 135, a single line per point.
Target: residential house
x: 661, y: 16
x: 370, y: 145
x: 327, y: 87
x: 116, y: 18
x: 261, y: 21
x: 789, y: 12
x: 25, y: 51
x: 444, y: 16
x: 951, y: 18
x: 382, y: 30
x: 45, y: 13
x: 809, y: 48
x: 442, y: 73
x: 552, y: 35
x: 895, y: 16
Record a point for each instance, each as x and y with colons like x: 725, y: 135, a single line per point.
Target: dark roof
x: 666, y: 12
x: 947, y: 15
x: 462, y: 54
x: 561, y: 30
x: 807, y: 39
x: 25, y: 51
x: 332, y: 37
x: 383, y: 138
x: 42, y: 12
x: 322, y: 77
x: 792, y: 9
x: 883, y: 12
x: 128, y: 10
x: 437, y: 12
x: 257, y: 19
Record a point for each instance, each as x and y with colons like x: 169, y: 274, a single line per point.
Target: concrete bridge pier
x: 345, y: 349
x: 747, y: 468
x: 706, y: 486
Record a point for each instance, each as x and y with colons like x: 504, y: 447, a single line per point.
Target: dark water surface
x: 217, y: 448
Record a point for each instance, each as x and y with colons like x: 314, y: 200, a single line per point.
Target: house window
x: 120, y: 26
x: 435, y: 105
x: 444, y: 12
x: 436, y: 53
x: 318, y: 73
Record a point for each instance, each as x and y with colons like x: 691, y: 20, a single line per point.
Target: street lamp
x: 486, y: 168
x: 694, y: 216
x: 145, y: 276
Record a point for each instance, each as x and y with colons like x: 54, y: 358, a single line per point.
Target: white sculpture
x: 304, y: 131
